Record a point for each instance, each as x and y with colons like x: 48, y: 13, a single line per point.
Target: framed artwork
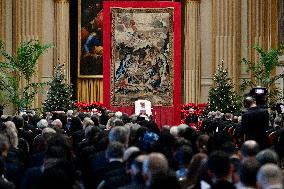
x: 142, y: 54
x: 90, y: 38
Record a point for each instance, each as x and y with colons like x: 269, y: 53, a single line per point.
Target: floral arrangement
x: 199, y: 110
x: 88, y: 107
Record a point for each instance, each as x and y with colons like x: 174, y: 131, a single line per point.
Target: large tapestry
x: 142, y: 62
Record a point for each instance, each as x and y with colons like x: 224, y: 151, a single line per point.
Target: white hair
x: 270, y: 176
x: 12, y: 134
x: 174, y: 131
x: 42, y: 124
x: 57, y: 123
x: 118, y: 114
x: 48, y: 130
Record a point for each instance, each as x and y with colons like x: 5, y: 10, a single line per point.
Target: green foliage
x: 261, y: 72
x: 222, y: 96
x: 59, y: 94
x: 18, y: 67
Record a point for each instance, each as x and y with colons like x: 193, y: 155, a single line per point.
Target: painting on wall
x: 142, y: 63
x: 90, y: 39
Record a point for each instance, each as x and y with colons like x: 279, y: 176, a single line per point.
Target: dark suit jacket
x: 191, y: 119
x: 254, y: 124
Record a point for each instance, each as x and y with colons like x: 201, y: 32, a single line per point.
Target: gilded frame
x: 95, y: 54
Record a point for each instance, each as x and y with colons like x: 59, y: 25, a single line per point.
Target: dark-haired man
x: 255, y: 122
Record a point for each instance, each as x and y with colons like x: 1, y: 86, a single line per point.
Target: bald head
x: 249, y: 148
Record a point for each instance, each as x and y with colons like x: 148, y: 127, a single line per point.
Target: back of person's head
x: 87, y: 122
x: 201, y: 143
x: 219, y: 164
x: 115, y: 122
x: 249, y: 101
x: 198, y: 161
x: 11, y: 133
x: 34, y: 119
x: 228, y: 116
x: 95, y: 118
x: 155, y: 163
x: 181, y: 129
x: 25, y: 117
x: 129, y: 151
x: 47, y: 133
x: 115, y: 150
x: 267, y: 156
x: 249, y: 148
x: 174, y: 131
x: 58, y: 175
x: 247, y: 172
x: 75, y: 125
x: 270, y: 176
x: 119, y: 134
x: 42, y: 124
x: 57, y: 124
x: 218, y: 114
x: 58, y: 147
x: 18, y: 121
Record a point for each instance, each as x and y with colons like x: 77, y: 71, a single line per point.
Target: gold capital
x: 190, y: 1
x: 61, y: 1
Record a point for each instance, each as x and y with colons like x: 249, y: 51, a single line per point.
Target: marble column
x: 27, y: 25
x: 192, y: 59
x: 62, y: 36
x: 226, y: 36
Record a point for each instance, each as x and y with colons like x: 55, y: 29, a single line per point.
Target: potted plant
x: 19, y: 67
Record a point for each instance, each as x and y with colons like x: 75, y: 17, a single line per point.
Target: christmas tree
x: 222, y: 96
x: 59, y: 93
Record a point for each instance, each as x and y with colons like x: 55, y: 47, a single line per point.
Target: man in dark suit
x: 255, y: 122
x: 191, y: 118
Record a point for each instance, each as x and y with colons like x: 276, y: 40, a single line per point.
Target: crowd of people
x: 109, y: 150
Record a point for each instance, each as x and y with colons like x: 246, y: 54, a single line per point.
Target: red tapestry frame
x: 169, y: 115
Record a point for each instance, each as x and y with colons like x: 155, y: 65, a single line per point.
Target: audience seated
x: 113, y: 150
